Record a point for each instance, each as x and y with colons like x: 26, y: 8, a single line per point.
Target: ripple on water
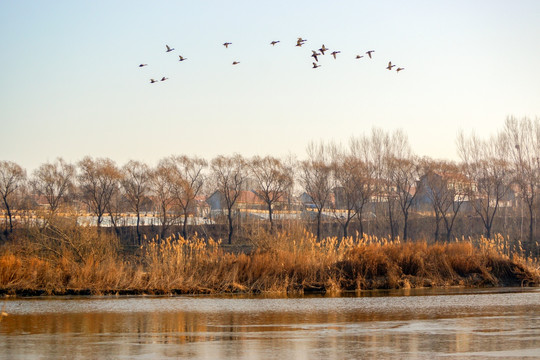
x: 467, y: 324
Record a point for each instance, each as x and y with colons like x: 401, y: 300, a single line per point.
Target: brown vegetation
x: 64, y: 259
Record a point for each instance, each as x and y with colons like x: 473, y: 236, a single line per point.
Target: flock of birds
x: 299, y: 42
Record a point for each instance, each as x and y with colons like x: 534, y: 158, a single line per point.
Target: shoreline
x: 238, y: 289
x: 75, y: 293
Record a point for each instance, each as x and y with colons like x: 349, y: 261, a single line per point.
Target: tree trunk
x: 359, y: 213
x: 164, y: 223
x: 490, y: 218
x: 448, y: 234
x: 138, y: 228
x: 113, y: 222
x: 437, y: 225
x: 346, y: 227
x: 184, y: 225
x: 405, y: 224
x: 489, y: 222
x: 9, y: 215
x: 360, y: 225
x: 531, y: 223
x: 319, y: 212
x: 270, y: 217
x: 231, y: 228
x: 450, y: 224
x: 391, y: 220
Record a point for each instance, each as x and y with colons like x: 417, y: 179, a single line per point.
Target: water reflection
x: 470, y: 325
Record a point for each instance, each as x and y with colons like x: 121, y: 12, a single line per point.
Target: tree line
x: 373, y: 183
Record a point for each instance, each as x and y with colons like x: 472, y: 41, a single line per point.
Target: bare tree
x: 54, y: 181
x: 346, y: 171
x: 364, y: 175
x: 485, y: 166
x: 135, y: 183
x: 382, y: 149
x: 404, y: 175
x: 161, y: 189
x: 229, y: 177
x: 523, y: 150
x: 186, y: 183
x: 12, y: 177
x: 98, y: 182
x: 315, y: 177
x: 273, y: 179
x: 446, y: 187
x: 402, y: 172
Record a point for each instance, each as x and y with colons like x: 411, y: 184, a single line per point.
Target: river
x: 497, y: 323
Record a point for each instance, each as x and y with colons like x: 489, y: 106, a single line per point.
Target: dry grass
x: 63, y: 259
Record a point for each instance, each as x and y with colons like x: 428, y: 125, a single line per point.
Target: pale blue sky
x: 70, y: 84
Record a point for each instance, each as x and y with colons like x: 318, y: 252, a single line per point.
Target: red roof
x: 249, y: 197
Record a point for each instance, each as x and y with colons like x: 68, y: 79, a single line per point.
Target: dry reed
x: 63, y: 259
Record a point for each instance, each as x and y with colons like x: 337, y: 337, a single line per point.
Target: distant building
x: 245, y: 200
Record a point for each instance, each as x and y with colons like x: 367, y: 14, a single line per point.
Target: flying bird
x: 369, y: 53
x: 390, y: 66
x: 236, y: 62
x: 227, y: 44
x: 181, y: 58
x: 300, y: 41
x: 315, y: 65
x: 399, y: 69
x: 169, y: 49
x: 359, y: 56
x: 315, y: 54
x: 274, y: 42
x: 334, y: 53
x: 323, y: 49
x: 152, y: 81
x: 143, y: 65
x: 164, y: 78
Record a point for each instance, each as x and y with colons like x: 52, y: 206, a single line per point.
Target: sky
x: 71, y: 86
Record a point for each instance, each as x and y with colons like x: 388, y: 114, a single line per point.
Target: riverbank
x: 81, y: 261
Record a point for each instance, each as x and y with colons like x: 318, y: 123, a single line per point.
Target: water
x: 413, y: 324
